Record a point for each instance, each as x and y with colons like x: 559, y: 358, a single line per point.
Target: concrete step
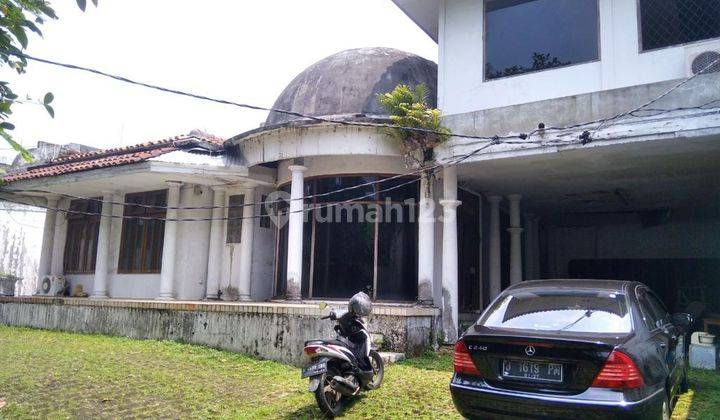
x: 390, y: 357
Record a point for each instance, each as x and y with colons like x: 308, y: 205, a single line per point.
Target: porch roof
x: 117, y: 156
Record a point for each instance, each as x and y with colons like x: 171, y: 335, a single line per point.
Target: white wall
x: 21, y: 231
x: 461, y: 85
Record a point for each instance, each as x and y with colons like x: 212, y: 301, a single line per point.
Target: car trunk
x: 539, y: 362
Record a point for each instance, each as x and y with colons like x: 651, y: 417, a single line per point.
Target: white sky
x: 246, y: 51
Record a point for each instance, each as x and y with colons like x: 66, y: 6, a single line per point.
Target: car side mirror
x: 682, y: 319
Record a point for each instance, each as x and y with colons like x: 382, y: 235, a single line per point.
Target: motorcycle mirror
x: 323, y: 305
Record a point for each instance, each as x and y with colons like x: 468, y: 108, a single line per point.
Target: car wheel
x: 684, y: 383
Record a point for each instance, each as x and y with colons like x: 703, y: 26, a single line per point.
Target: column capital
x: 52, y: 197
x: 450, y: 204
x: 174, y: 184
x: 494, y: 199
x: 297, y: 168
x: 514, y: 197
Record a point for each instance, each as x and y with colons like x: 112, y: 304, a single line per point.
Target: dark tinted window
x: 234, y: 222
x: 672, y: 22
x: 530, y: 35
x: 575, y: 311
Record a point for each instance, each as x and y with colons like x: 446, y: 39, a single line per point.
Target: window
x: 265, y: 221
x: 234, y: 223
x: 83, y: 225
x: 665, y: 23
x: 143, y: 232
x: 572, y: 311
x: 523, y: 36
x: 369, y: 244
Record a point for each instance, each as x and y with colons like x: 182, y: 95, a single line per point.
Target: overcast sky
x: 246, y: 51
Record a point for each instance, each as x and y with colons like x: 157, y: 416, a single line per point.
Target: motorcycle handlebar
x: 326, y: 317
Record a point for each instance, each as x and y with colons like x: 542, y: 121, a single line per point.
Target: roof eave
x: 425, y: 14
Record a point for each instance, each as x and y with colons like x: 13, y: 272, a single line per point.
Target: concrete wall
x: 268, y: 331
x: 461, y: 50
x: 21, y: 230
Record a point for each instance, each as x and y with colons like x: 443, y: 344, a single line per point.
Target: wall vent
x: 703, y: 60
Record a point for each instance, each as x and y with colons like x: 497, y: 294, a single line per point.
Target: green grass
x: 47, y: 374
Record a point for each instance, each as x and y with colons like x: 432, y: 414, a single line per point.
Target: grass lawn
x: 59, y: 375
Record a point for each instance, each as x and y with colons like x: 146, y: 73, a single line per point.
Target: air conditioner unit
x: 52, y: 286
x: 699, y: 57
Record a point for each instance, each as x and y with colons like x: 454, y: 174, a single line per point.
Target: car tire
x: 684, y: 383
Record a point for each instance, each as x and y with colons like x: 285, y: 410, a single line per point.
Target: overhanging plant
x: 408, y: 107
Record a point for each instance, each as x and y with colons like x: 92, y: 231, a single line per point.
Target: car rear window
x: 572, y: 311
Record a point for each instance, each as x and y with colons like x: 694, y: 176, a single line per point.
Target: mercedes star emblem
x: 529, y: 350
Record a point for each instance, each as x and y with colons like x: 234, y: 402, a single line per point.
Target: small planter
x: 7, y: 285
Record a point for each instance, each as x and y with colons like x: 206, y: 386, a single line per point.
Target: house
x: 629, y: 197
x: 196, y: 218
x: 567, y: 175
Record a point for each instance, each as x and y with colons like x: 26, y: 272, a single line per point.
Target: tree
x: 408, y: 107
x: 17, y: 19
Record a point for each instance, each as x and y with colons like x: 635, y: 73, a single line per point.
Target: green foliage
x: 17, y: 19
x: 408, y: 107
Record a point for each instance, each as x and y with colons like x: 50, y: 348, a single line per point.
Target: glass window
x: 143, y: 232
x: 666, y: 23
x: 362, y: 245
x: 523, y: 36
x: 234, y: 222
x: 82, y: 234
x: 574, y: 311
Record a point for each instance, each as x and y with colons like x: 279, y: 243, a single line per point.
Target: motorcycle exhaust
x: 345, y: 386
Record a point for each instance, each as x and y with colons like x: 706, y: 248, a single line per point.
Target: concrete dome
x: 350, y: 81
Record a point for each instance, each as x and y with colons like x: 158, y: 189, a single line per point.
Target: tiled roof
x: 114, y: 157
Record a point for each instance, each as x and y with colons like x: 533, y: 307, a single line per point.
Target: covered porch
x: 629, y: 210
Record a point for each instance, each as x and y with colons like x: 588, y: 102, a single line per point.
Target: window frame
x: 236, y: 222
x: 638, y: 14
x: 161, y: 213
x: 89, y: 223
x: 376, y: 199
x: 484, y: 47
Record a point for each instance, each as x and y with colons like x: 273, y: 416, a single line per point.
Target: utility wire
x: 585, y: 137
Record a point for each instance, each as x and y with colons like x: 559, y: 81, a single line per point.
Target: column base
x: 212, y: 297
x: 425, y: 302
x: 99, y: 296
x: 165, y: 297
x: 244, y: 298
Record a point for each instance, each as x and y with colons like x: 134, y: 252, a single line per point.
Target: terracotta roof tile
x: 109, y: 157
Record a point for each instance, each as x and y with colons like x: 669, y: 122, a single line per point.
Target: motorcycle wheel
x: 378, y: 367
x: 330, y: 402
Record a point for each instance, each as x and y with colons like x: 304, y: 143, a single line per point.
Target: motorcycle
x: 341, y: 368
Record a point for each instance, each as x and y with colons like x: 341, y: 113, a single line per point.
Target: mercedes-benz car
x: 572, y: 349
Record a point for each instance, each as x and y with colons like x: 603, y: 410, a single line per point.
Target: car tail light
x: 619, y: 372
x: 310, y: 350
x: 462, y: 363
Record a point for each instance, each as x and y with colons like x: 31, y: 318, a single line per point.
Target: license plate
x: 314, y: 370
x: 534, y: 371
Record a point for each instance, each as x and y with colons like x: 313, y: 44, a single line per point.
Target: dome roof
x: 350, y: 81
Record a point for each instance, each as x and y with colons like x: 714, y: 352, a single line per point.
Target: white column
x: 450, y: 255
x: 215, y: 247
x: 532, y: 248
x: 494, y: 263
x: 167, y: 272
x: 516, y: 273
x: 100, y: 285
x: 426, y: 241
x: 45, y: 263
x: 295, y: 233
x: 246, y: 244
